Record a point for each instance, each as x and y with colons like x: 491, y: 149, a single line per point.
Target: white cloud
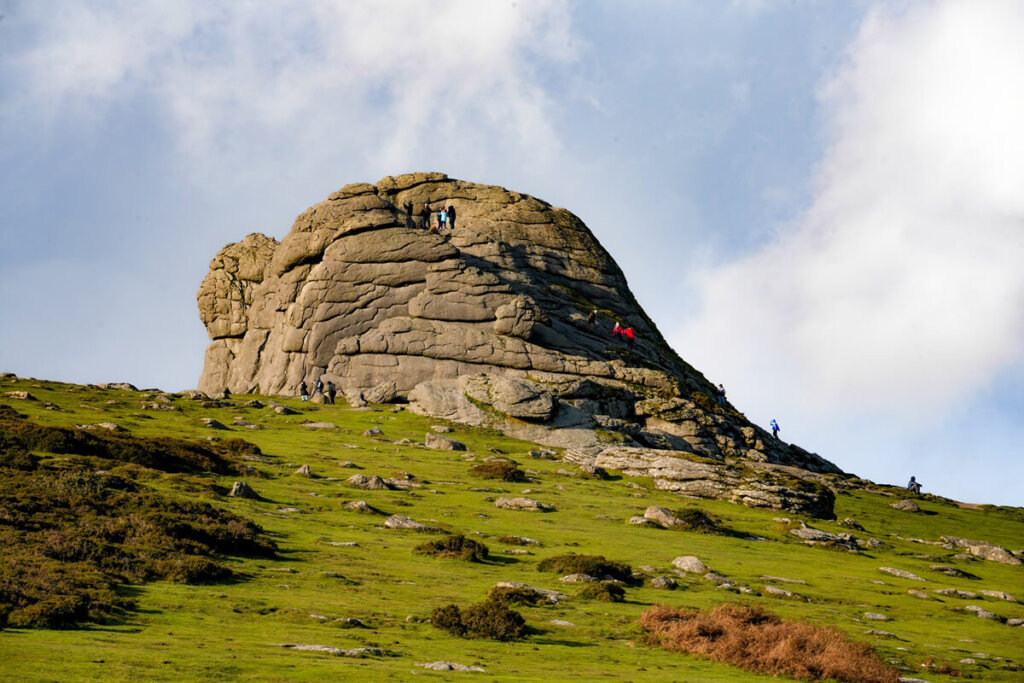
x: 900, y: 290
x: 323, y: 77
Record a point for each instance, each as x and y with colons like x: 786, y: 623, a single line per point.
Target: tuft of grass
x: 757, y: 640
x: 455, y: 547
x: 503, y: 470
x: 591, y: 565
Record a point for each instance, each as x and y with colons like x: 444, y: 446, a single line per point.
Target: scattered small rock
x: 905, y: 505
x: 111, y: 426
x: 903, y: 574
x: 402, y: 522
x: 955, y: 593
x: 782, y: 579
x: 338, y: 652
x: 981, y: 612
x: 242, y: 490
x: 359, y: 506
x: 523, y: 504
x: 303, y: 471
x: 691, y: 564
x: 781, y: 592
x: 552, y: 596
x: 451, y: 666
x: 319, y: 425
x: 578, y: 578
x: 363, y: 481
x: 874, y: 616
x: 665, y: 582
x: 637, y: 520
x: 851, y: 523
x: 20, y: 395
x: 998, y: 595
x: 438, y: 442
x: 561, y: 622
x: 283, y: 410
x: 919, y: 594
x: 374, y: 431
x: 442, y: 429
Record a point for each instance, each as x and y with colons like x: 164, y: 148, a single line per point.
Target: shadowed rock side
x: 485, y: 323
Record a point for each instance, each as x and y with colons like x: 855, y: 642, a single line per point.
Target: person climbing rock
x: 592, y: 318
x: 331, y: 393
x: 628, y: 334
x: 426, y: 217
x: 451, y: 217
x: 303, y: 390
x: 721, y: 395
x: 775, y: 428
x: 616, y: 328
x: 914, y: 486
x: 407, y: 207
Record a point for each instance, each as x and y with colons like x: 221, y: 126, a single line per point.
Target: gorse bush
x: 591, y: 565
x: 490, y: 620
x: 503, y: 470
x: 456, y: 547
x: 508, y: 595
x: 162, y: 453
x: 71, y: 535
x: 608, y: 592
x: 757, y: 640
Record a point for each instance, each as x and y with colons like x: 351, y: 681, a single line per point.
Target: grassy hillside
x: 333, y: 564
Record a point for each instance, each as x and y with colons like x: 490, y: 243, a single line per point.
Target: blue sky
x: 818, y: 203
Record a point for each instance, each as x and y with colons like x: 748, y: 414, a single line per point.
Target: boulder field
x: 503, y: 319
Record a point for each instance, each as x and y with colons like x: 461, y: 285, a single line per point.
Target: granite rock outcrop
x: 503, y: 320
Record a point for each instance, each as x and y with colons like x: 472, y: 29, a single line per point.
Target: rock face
x: 483, y: 324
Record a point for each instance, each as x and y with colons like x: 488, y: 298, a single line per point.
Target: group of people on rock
x: 327, y: 393
x: 617, y: 329
x: 445, y: 217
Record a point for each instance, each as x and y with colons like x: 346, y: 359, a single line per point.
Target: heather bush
x: 455, y: 547
x: 504, y: 470
x: 491, y: 620
x: 608, y: 592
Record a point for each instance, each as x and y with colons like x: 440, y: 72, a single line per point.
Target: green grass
x: 229, y: 630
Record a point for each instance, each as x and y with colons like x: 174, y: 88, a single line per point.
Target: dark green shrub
x: 608, y: 592
x: 456, y: 547
x: 504, y: 470
x: 18, y: 459
x: 513, y: 540
x: 192, y: 569
x: 506, y: 595
x: 591, y: 565
x: 55, y: 611
x: 489, y: 620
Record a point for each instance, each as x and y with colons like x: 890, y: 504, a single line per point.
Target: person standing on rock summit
x: 721, y: 395
x: 451, y: 217
x: 775, y: 428
x: 914, y: 486
x: 426, y: 216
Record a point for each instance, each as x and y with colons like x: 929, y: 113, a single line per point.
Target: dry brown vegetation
x: 757, y: 640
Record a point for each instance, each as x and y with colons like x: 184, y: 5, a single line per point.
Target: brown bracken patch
x: 757, y: 640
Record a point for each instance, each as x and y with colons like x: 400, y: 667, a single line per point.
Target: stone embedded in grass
x: 451, y: 666
x: 20, y: 395
x: 691, y: 564
x: 336, y: 651
x: 561, y: 622
x: 782, y: 579
x: 519, y: 589
x: 283, y: 410
x: 955, y: 593
x: 374, y: 431
x: 637, y: 520
x: 442, y: 429
x: 319, y: 425
x: 874, y: 616
x: 664, y: 582
x: 919, y: 594
x: 781, y: 592
x: 901, y: 573
x: 438, y: 442
x: 543, y: 455
x: 578, y: 578
x: 240, y: 489
x: 952, y: 571
x: 304, y: 471
x: 813, y: 536
x: 998, y: 595
x: 983, y: 549
x: 363, y: 481
x: 981, y: 612
x: 660, y: 516
x: 528, y: 504
x: 905, y: 505
x: 403, y: 522
x: 851, y: 523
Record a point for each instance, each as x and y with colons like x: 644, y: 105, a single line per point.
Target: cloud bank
x: 900, y: 290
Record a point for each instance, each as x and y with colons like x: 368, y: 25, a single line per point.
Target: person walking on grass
x: 331, y: 392
x: 775, y: 428
x: 303, y: 391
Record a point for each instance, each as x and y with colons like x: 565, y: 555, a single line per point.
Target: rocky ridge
x: 486, y: 323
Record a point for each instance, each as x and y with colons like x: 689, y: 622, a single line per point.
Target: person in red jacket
x: 628, y: 334
x: 616, y: 328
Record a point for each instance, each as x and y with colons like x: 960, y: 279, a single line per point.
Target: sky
x: 820, y: 204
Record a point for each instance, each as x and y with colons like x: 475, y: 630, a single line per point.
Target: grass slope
x: 232, y: 630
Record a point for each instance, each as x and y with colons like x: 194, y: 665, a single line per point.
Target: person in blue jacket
x: 775, y: 428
